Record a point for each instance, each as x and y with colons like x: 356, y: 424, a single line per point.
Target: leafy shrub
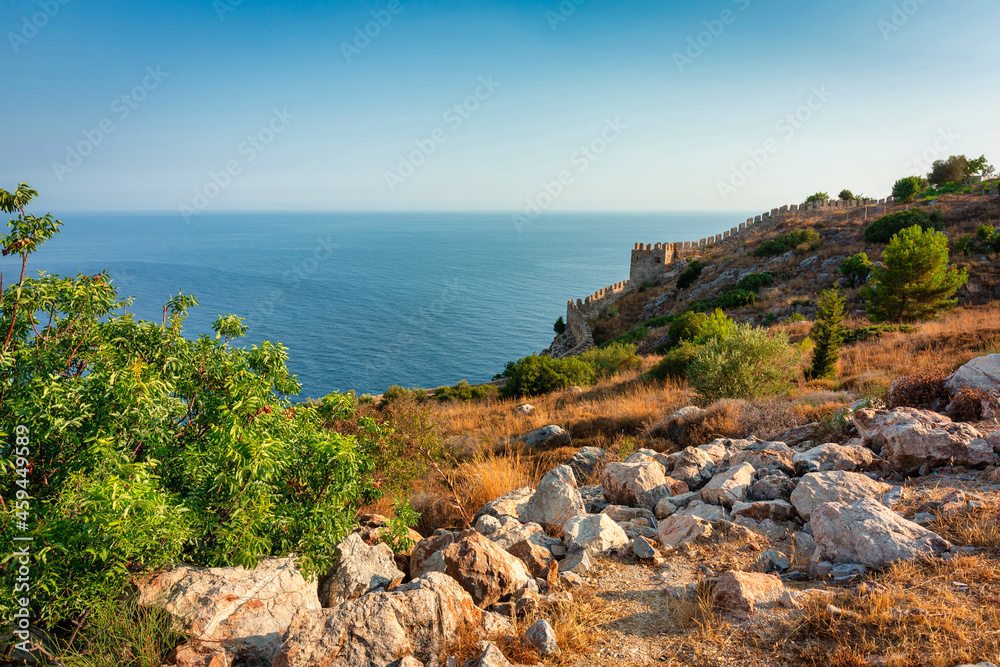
x: 696, y: 328
x: 156, y: 446
x: 754, y: 282
x: 660, y: 321
x: 846, y: 195
x: 630, y: 337
x: 808, y: 239
x: 952, y: 170
x: 856, y: 269
x: 534, y: 375
x: 965, y: 244
x: 615, y: 358
x: 560, y: 326
x: 750, y: 363
x: 986, y: 233
x: 967, y: 404
x: 923, y: 390
x: 463, y: 391
x: 675, y: 363
x: 819, y: 196
x: 690, y: 274
x: 883, y: 229
x: 395, y: 393
x: 907, y: 189
x: 915, y: 281
x: 796, y: 317
x: 735, y: 298
x: 828, y: 335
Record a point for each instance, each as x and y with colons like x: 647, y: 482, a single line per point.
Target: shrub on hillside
x: 463, y: 391
x: 846, y: 195
x: 735, y: 298
x: 535, y: 375
x: 819, y: 196
x: 952, y: 170
x: 696, y: 328
x: 883, y: 229
x: 754, y: 282
x: 149, y: 446
x: 828, y: 335
x: 967, y: 404
x: 856, y: 269
x: 907, y: 189
x: 675, y: 363
x: 873, y: 331
x: 612, y: 359
x: 750, y: 363
x: 802, y: 240
x: 922, y: 390
x: 690, y: 274
x: 560, y: 326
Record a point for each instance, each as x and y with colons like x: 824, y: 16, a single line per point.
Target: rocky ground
x: 882, y: 549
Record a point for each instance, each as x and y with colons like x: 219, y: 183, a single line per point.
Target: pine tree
x: 915, y: 281
x: 828, y: 334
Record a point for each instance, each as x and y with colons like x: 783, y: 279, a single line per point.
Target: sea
x: 367, y: 300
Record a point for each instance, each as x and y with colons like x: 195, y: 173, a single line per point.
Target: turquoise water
x: 367, y: 300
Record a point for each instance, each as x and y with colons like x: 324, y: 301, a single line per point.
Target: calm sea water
x: 367, y: 300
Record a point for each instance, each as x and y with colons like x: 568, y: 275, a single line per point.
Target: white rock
x: 360, y: 569
x: 556, y: 499
x: 817, y: 488
x: 639, y: 484
x: 981, y: 372
x: 730, y: 486
x: 596, y: 533
x: 677, y: 530
x: 541, y: 636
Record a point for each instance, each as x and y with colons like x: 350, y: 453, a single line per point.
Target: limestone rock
x: 869, y: 533
x: 832, y: 456
x: 195, y: 653
x: 534, y: 556
x: 766, y: 459
x: 911, y: 439
x: 491, y: 656
x: 525, y: 409
x: 772, y: 485
x: 677, y: 530
x: 510, y: 504
x: 550, y: 437
x: 702, y: 510
x: 414, y: 618
x: 982, y: 373
x: 248, y: 609
x: 555, y: 500
x: 585, y: 461
x: 426, y: 549
x: 577, y: 561
x: 775, y: 510
x: 817, y: 488
x: 542, y: 637
x: 360, y: 569
x: 738, y: 594
x: 640, y: 484
x: 596, y: 533
x: 593, y: 498
x: 621, y: 513
x: 487, y: 525
x: 486, y: 572
x: 729, y: 487
x: 512, y: 533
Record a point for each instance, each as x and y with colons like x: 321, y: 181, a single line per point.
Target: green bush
x: 883, y: 229
x: 804, y: 239
x: 795, y: 317
x: 660, y: 321
x: 148, y: 446
x: 986, y: 233
x: 696, y: 328
x: 463, y: 391
x: 748, y: 364
x: 560, y: 326
x: 690, y: 274
x: 754, y: 282
x: 735, y: 298
x: 952, y: 170
x: 965, y: 244
x: 846, y: 195
x: 907, y: 189
x: 535, y: 375
x: 395, y: 393
x: 615, y: 358
x: 873, y: 331
x: 856, y: 269
x: 675, y: 363
x: 828, y: 335
x: 819, y: 196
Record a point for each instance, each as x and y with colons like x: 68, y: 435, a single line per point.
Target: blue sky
x: 232, y: 105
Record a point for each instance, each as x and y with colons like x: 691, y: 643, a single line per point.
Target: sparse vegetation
x: 690, y: 274
x: 749, y: 363
x: 534, y: 375
x: 803, y: 240
x: 907, y: 189
x: 883, y: 229
x: 857, y: 269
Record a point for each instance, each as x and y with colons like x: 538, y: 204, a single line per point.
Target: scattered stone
x: 703, y: 510
x: 738, y: 594
x: 817, y: 488
x: 491, y: 656
x: 640, y: 484
x: 596, y: 533
x: 766, y: 459
x: 772, y: 485
x: 980, y: 373
x: 593, y: 498
x: 248, y: 609
x: 360, y: 569
x: 514, y: 532
x: 871, y: 534
x: 585, y: 461
x: 486, y: 572
x: 643, y: 549
x: 773, y: 561
x: 555, y: 500
x: 803, y: 543
x: 487, y: 525
x: 775, y: 510
x: 670, y: 504
x: 729, y: 487
x: 425, y: 556
x: 550, y: 437
x: 408, y: 661
x: 525, y: 409
x: 621, y: 513
x: 797, y: 436
x: 508, y: 505
x: 677, y: 530
x: 577, y: 561
x: 534, y: 556
x: 193, y: 653
x: 848, y: 573
x: 832, y: 456
x: 694, y: 467
x: 542, y: 637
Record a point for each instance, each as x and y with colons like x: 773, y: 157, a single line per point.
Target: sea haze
x: 366, y: 300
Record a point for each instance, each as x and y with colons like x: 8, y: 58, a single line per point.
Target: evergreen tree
x: 915, y: 281
x: 828, y: 334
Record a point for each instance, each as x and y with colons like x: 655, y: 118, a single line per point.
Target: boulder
x: 422, y: 558
x: 486, y: 572
x: 980, y: 373
x: 585, y: 462
x: 643, y: 549
x: 542, y: 638
x: 487, y: 525
x: 593, y: 498
x: 694, y: 467
x: 513, y: 533
x: 490, y: 656
x: 703, y: 510
x: 869, y: 533
x: 508, y: 505
x: 668, y: 505
x: 577, y: 561
x: 639, y: 484
x: 525, y: 409
x: 415, y: 618
x: 730, y: 486
x: 766, y: 459
x: 622, y: 514
x: 195, y: 653
x: 677, y: 530
x: 596, y: 533
x: 817, y: 488
x: 832, y: 456
x: 555, y: 500
x: 772, y: 485
x: 248, y: 609
x: 359, y: 569
x: 550, y: 437
x: 775, y: 510
x: 738, y: 594
x: 911, y: 439
x: 534, y: 556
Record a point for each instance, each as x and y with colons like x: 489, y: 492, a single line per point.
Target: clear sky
x: 633, y: 105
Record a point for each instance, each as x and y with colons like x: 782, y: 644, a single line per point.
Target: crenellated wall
x: 651, y: 259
